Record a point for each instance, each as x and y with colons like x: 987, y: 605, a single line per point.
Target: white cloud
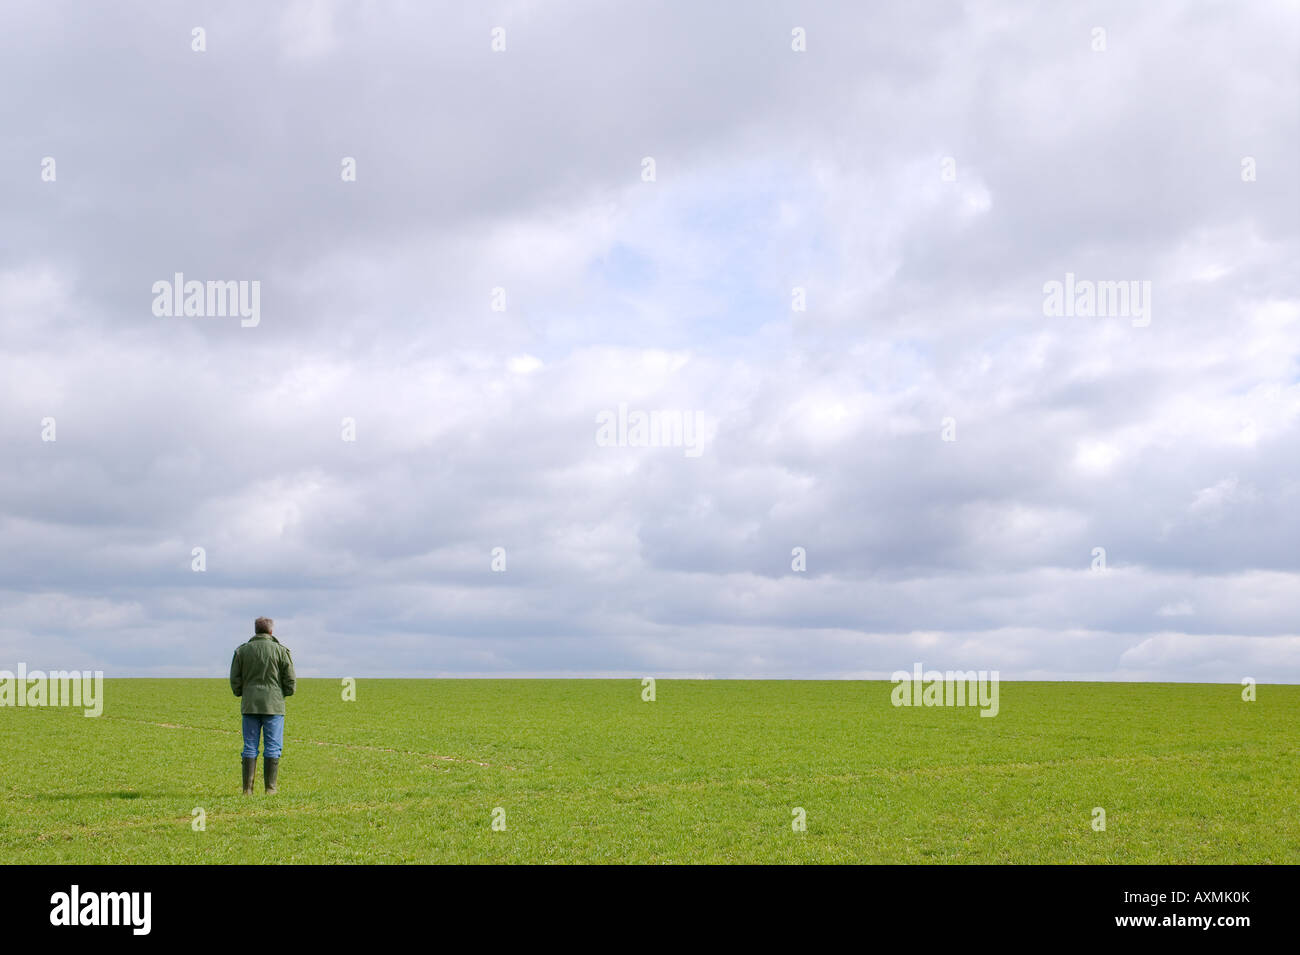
x: 1173, y: 446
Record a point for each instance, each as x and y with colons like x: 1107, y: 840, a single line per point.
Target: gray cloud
x: 1172, y: 446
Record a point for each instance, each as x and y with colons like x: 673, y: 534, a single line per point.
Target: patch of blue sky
x: 718, y: 262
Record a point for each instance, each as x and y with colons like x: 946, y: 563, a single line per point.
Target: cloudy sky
x: 829, y: 264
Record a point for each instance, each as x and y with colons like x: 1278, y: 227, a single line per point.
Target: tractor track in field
x: 362, y: 747
x: 246, y: 810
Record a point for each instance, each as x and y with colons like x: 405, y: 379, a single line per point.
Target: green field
x: 585, y: 771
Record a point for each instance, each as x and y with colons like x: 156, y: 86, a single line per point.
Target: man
x: 262, y: 673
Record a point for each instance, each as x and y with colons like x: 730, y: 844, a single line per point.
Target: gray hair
x: 263, y: 625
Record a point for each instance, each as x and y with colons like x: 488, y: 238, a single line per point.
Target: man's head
x: 263, y: 625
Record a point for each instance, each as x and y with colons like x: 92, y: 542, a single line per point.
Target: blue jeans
x: 270, y: 728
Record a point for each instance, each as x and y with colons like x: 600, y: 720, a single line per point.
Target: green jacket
x: 262, y: 673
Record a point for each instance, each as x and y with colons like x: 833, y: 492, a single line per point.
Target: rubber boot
x: 250, y: 773
x: 270, y: 770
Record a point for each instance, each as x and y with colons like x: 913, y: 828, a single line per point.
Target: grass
x: 709, y: 772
